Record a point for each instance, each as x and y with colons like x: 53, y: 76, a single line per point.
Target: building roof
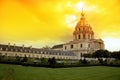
x: 57, y: 46
x: 14, y: 48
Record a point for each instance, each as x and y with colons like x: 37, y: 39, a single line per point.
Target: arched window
x: 83, y: 36
x: 78, y: 36
x: 81, y: 45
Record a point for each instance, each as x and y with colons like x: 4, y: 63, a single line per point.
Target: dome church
x: 83, y: 40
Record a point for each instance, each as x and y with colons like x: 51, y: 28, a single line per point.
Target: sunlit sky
x: 48, y: 22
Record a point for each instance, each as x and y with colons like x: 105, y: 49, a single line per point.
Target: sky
x: 48, y: 22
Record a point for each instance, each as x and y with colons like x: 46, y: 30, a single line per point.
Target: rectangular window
x: 88, y: 45
x: 79, y: 36
x: 65, y: 47
x: 71, y: 46
x: 81, y: 55
x: 81, y: 45
x: 83, y: 36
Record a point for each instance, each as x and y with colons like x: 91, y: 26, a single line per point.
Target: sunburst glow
x: 39, y: 22
x: 79, y: 6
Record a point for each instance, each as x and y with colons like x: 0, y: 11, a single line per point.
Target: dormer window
x: 41, y: 52
x: 16, y: 50
x: 11, y: 49
x: 1, y: 49
x: 21, y: 50
x: 29, y: 51
x: 6, y: 49
x: 37, y: 51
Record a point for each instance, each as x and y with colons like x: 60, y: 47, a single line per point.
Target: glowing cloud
x: 35, y: 21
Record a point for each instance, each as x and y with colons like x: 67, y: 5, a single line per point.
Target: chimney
x: 14, y: 45
x: 8, y: 44
x: 31, y: 47
x: 23, y: 46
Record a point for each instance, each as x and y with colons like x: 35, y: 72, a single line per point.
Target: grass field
x: 76, y: 73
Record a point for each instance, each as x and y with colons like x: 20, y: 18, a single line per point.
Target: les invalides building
x: 83, y: 40
x: 83, y: 43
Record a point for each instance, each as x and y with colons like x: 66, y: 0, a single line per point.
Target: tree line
x: 103, y: 54
x: 53, y: 62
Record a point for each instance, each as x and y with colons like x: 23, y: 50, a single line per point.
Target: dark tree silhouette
x: 52, y: 61
x: 116, y: 55
x: 101, y: 53
x: 25, y: 59
x: 84, y: 61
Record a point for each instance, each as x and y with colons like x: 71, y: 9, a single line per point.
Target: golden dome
x: 83, y: 29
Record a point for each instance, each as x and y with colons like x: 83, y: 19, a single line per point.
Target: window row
x: 72, y: 46
x: 16, y: 54
x: 48, y: 53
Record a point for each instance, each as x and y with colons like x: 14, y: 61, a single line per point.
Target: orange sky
x: 48, y: 22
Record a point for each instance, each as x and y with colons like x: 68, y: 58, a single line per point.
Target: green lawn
x: 76, y: 73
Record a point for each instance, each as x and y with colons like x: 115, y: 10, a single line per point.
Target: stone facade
x: 83, y: 42
x: 83, y: 39
x: 21, y: 51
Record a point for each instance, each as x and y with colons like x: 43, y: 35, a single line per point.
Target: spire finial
x: 82, y: 9
x: 82, y: 13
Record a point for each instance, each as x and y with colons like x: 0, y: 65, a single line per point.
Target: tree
x: 101, y: 53
x: 25, y: 59
x: 116, y: 55
x: 0, y: 57
x: 84, y: 61
x: 100, y: 60
x: 106, y: 54
x: 52, y: 61
x: 87, y: 55
x: 18, y: 59
x: 43, y: 61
